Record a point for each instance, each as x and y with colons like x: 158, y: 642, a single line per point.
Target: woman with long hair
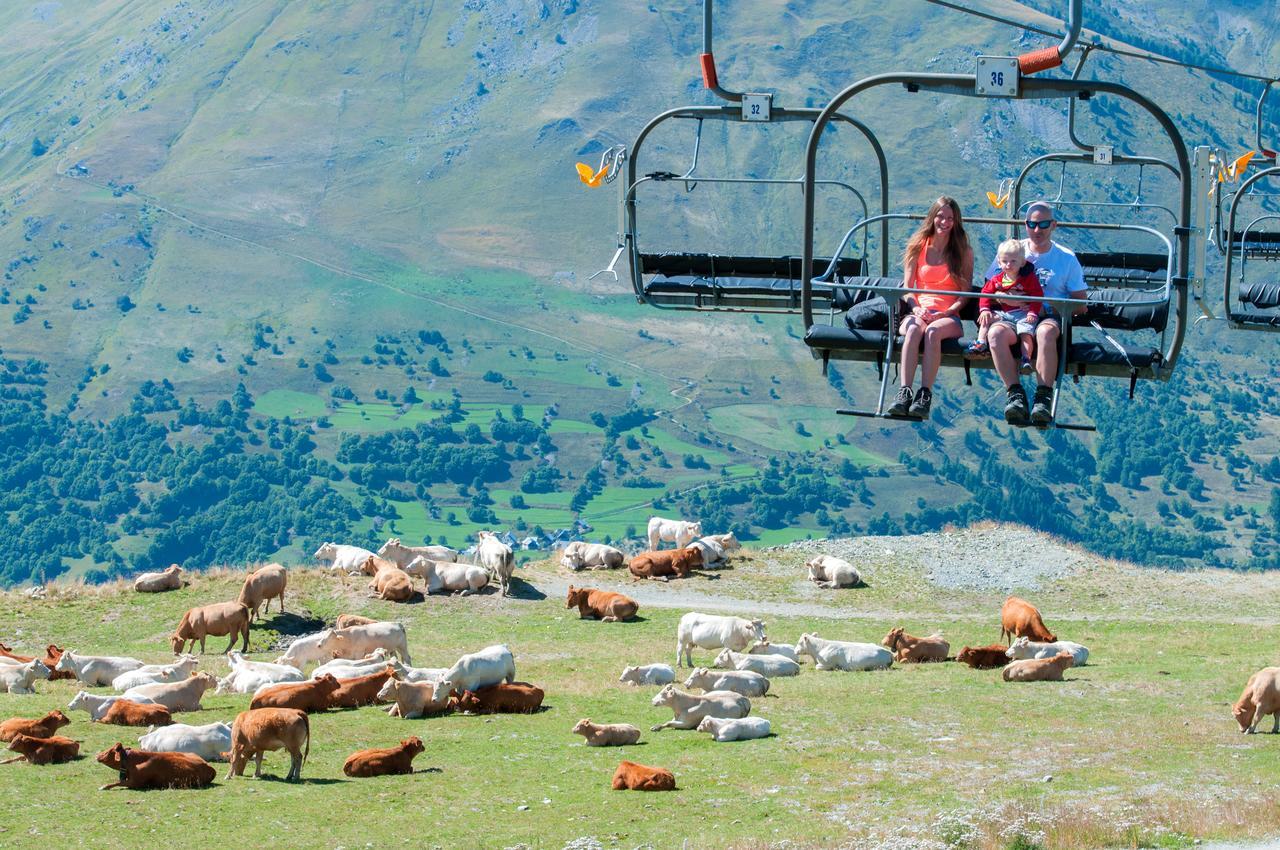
x: 937, y: 257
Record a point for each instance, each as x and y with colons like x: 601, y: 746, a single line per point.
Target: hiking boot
x: 1015, y: 408
x: 1042, y: 410
x: 902, y: 404
x: 920, y: 407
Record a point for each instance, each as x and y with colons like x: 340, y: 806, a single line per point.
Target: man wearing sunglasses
x: 1060, y: 277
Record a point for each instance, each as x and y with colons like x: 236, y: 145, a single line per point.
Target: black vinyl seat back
x: 1123, y: 269
x: 1114, y: 308
x: 1263, y: 296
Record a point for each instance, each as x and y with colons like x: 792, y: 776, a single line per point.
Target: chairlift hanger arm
x: 1262, y: 99
x: 710, y: 78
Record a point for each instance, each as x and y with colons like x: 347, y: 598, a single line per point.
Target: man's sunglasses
x: 1040, y: 225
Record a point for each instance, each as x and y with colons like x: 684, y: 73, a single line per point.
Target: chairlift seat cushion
x: 1102, y: 353
x: 838, y: 338
x: 1264, y: 296
x: 1111, y: 308
x: 1256, y: 320
x: 705, y: 274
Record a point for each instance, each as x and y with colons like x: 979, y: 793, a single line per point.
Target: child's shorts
x: 1017, y: 319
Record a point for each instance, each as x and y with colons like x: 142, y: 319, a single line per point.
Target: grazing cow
x: 1038, y: 669
x: 638, y: 777
x: 176, y: 696
x: 602, y: 605
x: 359, y: 641
x: 413, y: 699
x: 359, y: 690
x: 95, y: 705
x: 678, y: 531
x: 606, y: 734
x: 502, y: 698
x: 1261, y: 696
x: 741, y: 729
x: 843, y: 654
x: 489, y: 666
x: 258, y: 730
x: 139, y: 769
x: 689, y: 709
x: 648, y: 674
x: 127, y: 712
x: 765, y: 665
x: 345, y: 620
x: 591, y: 556
x: 262, y: 585
x: 1019, y: 618
x: 152, y: 674
x: 496, y: 557
x: 392, y: 761
x: 217, y: 620
x: 1027, y: 648
x: 830, y: 571
x: 400, y: 555
x: 346, y: 668
x: 984, y: 657
x: 766, y: 648
x: 51, y: 656
x: 306, y: 650
x: 170, y: 579
x: 909, y: 649
x: 450, y: 578
x: 305, y: 696
x: 711, y: 631
x: 96, y: 670
x: 345, y: 558
x: 20, y: 678
x: 745, y: 682
x: 661, y: 566
x: 392, y: 585
x: 54, y: 749
x: 41, y: 727
x: 211, y: 741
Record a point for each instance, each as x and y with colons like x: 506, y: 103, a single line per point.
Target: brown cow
x: 261, y: 729
x: 908, y: 648
x: 638, y: 777
x: 261, y: 586
x: 601, y: 604
x: 392, y: 761
x: 362, y: 690
x: 1039, y: 669
x: 8, y: 653
x: 373, y: 565
x: 983, y: 657
x: 1019, y: 618
x: 51, y: 750
x: 126, y: 712
x: 42, y: 727
x: 1261, y: 697
x: 502, y: 698
x: 140, y: 769
x: 392, y: 585
x: 345, y: 620
x: 222, y: 618
x: 660, y: 566
x: 51, y: 656
x: 606, y: 734
x: 311, y: 695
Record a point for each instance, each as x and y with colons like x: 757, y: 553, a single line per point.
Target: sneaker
x: 1025, y: 368
x: 977, y: 349
x: 1042, y: 410
x: 1015, y: 408
x: 902, y: 404
x: 920, y: 407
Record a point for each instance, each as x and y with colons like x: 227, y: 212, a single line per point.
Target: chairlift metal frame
x: 1246, y: 319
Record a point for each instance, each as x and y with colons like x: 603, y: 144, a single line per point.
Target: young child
x: 1015, y: 277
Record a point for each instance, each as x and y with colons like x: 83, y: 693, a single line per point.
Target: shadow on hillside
x: 521, y: 589
x: 266, y: 777
x: 290, y: 623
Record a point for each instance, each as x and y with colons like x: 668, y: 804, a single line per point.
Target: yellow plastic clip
x: 1235, y: 169
x: 1000, y: 197
x: 590, y: 176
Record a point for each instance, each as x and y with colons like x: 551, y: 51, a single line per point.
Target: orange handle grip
x: 1039, y: 60
x: 709, y: 78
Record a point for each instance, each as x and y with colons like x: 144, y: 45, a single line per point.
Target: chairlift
x: 1258, y: 302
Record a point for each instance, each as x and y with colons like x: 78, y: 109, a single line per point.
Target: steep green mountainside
x: 366, y: 214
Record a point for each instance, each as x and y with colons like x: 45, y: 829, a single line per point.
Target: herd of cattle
x: 362, y: 662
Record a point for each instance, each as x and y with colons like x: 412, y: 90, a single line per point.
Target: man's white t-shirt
x: 1059, y: 270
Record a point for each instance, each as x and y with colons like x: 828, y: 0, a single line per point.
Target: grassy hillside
x: 1136, y: 749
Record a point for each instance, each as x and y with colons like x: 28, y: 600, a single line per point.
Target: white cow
x: 175, y: 696
x: 96, y: 670
x: 830, y: 571
x: 765, y: 665
x: 741, y: 729
x: 445, y: 577
x: 209, y: 742
x: 251, y: 681
x: 346, y: 668
x: 678, y: 531
x: 710, y: 631
x: 306, y: 650
x: 489, y: 666
x: 416, y: 675
x: 150, y: 674
x: 496, y: 557
x: 782, y: 649
x: 1024, y: 647
x: 690, y: 708
x: 843, y: 654
x: 399, y: 554
x: 240, y: 664
x: 96, y: 705
x: 648, y: 674
x: 20, y: 678
x: 358, y: 641
x: 745, y: 682
x: 591, y: 556
x: 345, y: 558
x: 170, y: 579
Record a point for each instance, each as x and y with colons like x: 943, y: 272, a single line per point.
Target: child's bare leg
x: 1028, y: 346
